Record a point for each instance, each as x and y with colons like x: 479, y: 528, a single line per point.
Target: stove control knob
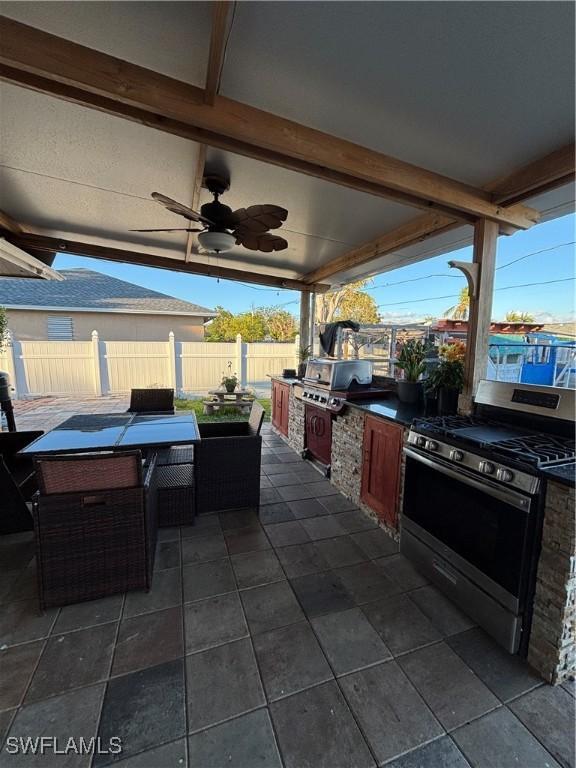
x: 486, y: 467
x: 431, y: 445
x: 334, y: 401
x: 505, y: 475
x: 456, y: 455
x: 420, y: 441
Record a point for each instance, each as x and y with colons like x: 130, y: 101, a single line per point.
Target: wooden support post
x: 304, y: 318
x: 479, y: 315
x: 312, y: 322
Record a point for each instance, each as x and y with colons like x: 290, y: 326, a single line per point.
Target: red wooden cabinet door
x: 285, y: 409
x: 381, y: 468
x: 276, y: 411
x: 319, y: 433
x: 280, y: 399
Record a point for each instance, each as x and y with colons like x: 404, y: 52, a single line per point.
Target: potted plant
x: 230, y: 380
x: 304, y: 354
x: 411, y: 361
x: 447, y: 379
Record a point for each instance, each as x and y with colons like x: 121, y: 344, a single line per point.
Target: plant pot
x: 409, y: 391
x: 448, y: 401
x: 230, y: 388
x: 302, y: 370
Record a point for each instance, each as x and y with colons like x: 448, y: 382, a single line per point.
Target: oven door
x: 483, y: 529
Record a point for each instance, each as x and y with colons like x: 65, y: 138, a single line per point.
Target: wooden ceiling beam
x: 53, y: 245
x: 220, y: 25
x: 8, y: 223
x: 220, y: 22
x: 554, y: 170
x: 80, y: 74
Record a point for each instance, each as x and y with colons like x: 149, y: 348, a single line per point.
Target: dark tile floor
x: 296, y: 638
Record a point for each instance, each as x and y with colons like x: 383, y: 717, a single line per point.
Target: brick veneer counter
x: 552, y: 649
x: 391, y: 409
x: 565, y: 475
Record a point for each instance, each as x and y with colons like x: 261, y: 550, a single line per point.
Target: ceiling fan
x: 222, y: 228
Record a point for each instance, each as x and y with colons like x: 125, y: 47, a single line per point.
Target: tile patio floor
x: 298, y: 638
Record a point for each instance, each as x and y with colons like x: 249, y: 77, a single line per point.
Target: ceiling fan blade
x: 258, y: 218
x: 174, y: 229
x: 263, y: 241
x: 182, y: 210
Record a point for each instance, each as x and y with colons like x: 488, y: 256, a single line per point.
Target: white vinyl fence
x: 99, y: 367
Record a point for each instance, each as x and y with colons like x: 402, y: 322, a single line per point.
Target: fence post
x: 172, y: 361
x: 11, y: 363
x: 240, y: 360
x: 96, y: 363
x: 297, y: 350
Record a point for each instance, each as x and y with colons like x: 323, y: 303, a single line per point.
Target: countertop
x: 564, y: 474
x: 281, y: 379
x: 390, y: 408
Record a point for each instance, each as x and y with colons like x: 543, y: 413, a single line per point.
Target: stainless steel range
x: 473, y: 500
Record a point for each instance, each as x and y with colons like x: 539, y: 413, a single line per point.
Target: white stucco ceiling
x: 471, y: 90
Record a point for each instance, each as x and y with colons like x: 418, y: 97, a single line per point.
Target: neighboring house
x: 85, y: 301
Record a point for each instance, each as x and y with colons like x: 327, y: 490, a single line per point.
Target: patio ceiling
x: 473, y: 92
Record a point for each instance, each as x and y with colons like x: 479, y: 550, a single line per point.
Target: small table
x: 223, y: 399
x: 113, y: 431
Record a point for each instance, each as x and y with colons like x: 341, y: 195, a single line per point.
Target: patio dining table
x: 114, y: 431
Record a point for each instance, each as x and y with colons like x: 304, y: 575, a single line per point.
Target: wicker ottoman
x: 176, y: 495
x: 177, y: 454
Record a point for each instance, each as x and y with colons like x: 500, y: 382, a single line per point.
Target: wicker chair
x: 95, y: 520
x: 17, y: 482
x: 151, y: 401
x: 227, y: 463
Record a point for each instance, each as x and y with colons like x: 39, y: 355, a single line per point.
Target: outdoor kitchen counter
x: 390, y: 408
x: 564, y: 474
x: 282, y: 380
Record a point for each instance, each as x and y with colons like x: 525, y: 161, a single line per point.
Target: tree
x: 280, y: 324
x: 460, y: 310
x: 257, y: 324
x: 349, y: 303
x: 516, y: 316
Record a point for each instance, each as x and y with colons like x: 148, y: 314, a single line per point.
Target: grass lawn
x: 224, y: 414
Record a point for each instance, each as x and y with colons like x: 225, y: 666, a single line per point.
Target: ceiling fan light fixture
x: 218, y: 242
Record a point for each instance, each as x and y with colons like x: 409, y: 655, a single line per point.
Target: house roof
x: 89, y: 291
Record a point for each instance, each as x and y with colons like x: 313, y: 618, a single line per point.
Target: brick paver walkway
x: 47, y: 412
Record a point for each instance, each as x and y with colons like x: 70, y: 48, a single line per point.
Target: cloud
x: 401, y: 318
x: 542, y: 316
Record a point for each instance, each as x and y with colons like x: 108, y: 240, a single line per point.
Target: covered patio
x: 291, y: 633
x: 296, y: 637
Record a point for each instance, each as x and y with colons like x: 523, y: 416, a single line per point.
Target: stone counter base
x: 347, y: 454
x: 552, y: 649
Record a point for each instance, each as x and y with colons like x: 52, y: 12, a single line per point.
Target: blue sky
x: 408, y: 301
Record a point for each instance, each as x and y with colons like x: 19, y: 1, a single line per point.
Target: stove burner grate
x: 446, y: 424
x: 538, y: 450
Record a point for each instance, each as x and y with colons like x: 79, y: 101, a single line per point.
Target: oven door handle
x: 516, y: 500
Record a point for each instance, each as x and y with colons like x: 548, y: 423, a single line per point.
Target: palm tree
x: 515, y: 316
x: 460, y: 310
